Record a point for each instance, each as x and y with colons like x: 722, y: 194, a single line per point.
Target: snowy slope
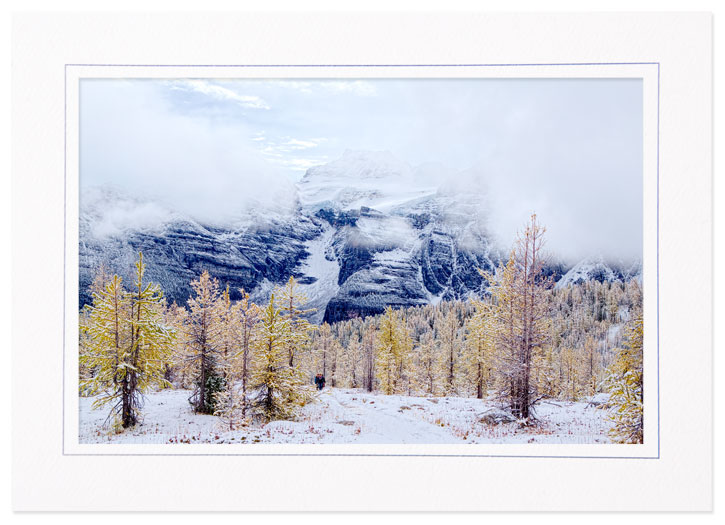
x: 354, y: 416
x: 320, y: 270
x: 360, y: 179
x: 598, y: 269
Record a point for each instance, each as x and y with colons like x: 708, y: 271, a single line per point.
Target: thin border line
x: 65, y: 225
x: 371, y: 65
x: 373, y: 455
x: 658, y: 262
x: 65, y: 231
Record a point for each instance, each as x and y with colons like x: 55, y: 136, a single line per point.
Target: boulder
x: 496, y: 416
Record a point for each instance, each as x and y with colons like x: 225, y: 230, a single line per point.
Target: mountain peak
x: 361, y: 164
x: 596, y: 267
x: 375, y: 179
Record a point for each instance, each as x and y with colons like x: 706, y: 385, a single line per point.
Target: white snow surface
x: 375, y: 179
x: 582, y: 271
x: 323, y: 266
x: 588, y: 267
x: 340, y: 416
x: 392, y: 257
x: 385, y: 232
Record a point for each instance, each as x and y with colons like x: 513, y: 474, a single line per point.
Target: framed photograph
x: 279, y: 258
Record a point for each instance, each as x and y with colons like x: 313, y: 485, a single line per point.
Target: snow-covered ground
x: 352, y: 416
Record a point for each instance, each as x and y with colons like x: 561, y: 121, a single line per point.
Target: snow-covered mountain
x: 358, y: 179
x: 364, y: 233
x: 596, y: 268
x: 254, y: 252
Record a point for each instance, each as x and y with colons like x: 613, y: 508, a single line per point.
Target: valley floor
x: 353, y: 416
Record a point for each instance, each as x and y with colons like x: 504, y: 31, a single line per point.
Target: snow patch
x: 390, y: 232
x: 392, y: 256
x: 372, y: 179
x: 585, y: 270
x: 322, y: 266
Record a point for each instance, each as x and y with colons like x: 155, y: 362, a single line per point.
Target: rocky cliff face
x: 177, y: 249
x: 363, y: 235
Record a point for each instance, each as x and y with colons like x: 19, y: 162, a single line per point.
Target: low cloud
x: 569, y: 150
x: 130, y: 135
x: 120, y: 217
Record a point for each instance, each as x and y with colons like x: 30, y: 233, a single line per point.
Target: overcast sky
x: 569, y: 149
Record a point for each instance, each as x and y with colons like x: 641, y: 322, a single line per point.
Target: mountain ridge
x: 357, y: 241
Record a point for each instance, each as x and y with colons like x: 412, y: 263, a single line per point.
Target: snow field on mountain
x: 341, y: 416
x: 322, y: 266
x: 373, y: 179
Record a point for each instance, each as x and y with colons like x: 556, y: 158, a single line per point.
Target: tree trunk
x: 245, y: 355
